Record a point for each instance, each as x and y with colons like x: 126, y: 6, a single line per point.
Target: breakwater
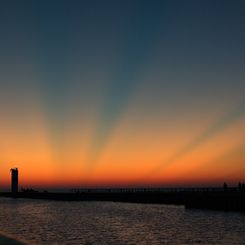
x: 203, y: 198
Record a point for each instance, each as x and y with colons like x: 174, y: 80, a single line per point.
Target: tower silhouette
x: 14, y: 180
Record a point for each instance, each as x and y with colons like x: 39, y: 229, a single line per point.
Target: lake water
x: 52, y: 222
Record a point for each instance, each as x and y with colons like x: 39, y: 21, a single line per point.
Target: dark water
x: 50, y: 222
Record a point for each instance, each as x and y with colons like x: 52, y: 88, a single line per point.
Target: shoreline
x: 6, y: 239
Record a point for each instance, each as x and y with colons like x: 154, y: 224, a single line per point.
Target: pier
x: 230, y: 199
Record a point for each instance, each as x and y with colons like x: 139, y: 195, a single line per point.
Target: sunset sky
x: 122, y: 93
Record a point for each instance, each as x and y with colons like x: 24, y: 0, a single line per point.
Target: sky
x: 122, y: 93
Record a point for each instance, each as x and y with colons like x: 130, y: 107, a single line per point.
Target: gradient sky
x: 122, y: 93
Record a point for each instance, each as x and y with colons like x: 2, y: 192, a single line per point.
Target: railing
x: 164, y: 190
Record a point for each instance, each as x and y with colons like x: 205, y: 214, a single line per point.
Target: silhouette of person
x: 225, y: 186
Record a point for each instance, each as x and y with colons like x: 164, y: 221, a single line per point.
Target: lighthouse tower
x: 14, y: 180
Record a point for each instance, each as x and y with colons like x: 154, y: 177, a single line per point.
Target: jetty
x: 228, y: 199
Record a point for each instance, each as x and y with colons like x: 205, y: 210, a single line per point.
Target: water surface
x: 56, y: 222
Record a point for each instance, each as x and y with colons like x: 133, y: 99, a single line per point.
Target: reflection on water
x: 51, y: 222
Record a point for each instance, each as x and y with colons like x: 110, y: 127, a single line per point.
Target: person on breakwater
x: 241, y: 186
x: 225, y: 186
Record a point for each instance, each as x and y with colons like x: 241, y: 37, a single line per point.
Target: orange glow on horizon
x: 132, y: 152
